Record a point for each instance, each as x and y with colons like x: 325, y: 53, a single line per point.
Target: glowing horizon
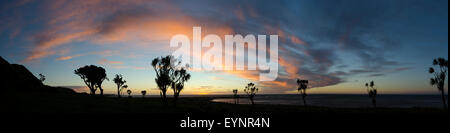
x: 337, y: 46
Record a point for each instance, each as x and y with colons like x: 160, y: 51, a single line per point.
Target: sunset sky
x: 338, y: 45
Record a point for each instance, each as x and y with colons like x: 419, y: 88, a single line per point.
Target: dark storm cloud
x: 354, y: 29
x: 328, y: 27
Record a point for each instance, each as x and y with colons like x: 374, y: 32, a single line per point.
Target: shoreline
x: 82, y: 103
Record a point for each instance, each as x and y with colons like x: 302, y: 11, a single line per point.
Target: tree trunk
x: 118, y: 91
x: 175, y: 97
x: 443, y: 99
x: 101, y: 90
x: 92, y: 92
x: 164, y: 97
x: 161, y: 96
x: 304, y: 97
x: 304, y: 100
x: 251, y: 99
x: 374, y: 102
x: 91, y: 88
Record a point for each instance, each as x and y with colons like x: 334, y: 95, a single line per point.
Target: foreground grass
x: 81, y: 103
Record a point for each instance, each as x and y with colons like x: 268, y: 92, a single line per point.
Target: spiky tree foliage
x: 170, y: 74
x: 118, y: 80
x: 372, y: 91
x: 163, y: 69
x: 251, y: 91
x: 178, y: 79
x: 302, y: 85
x: 439, y: 76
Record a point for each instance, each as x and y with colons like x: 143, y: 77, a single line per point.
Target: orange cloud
x: 289, y: 67
x: 296, y: 40
x: 106, y: 62
x: 275, y: 31
x: 72, y: 21
x: 45, y: 42
x: 106, y: 53
x: 62, y: 58
x: 37, y: 55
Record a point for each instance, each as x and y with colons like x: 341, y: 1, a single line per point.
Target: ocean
x: 345, y: 101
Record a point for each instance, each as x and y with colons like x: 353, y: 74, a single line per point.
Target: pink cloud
x: 62, y: 58
x: 109, y: 62
x: 296, y: 40
x: 74, y: 21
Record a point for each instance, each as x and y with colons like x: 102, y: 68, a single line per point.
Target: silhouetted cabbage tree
x: 118, y: 79
x: 163, y: 68
x: 372, y: 92
x: 439, y: 76
x: 302, y: 86
x: 178, y: 79
x: 169, y: 73
x: 41, y: 77
x: 93, y: 76
x: 236, y: 98
x: 251, y: 91
x: 143, y: 93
